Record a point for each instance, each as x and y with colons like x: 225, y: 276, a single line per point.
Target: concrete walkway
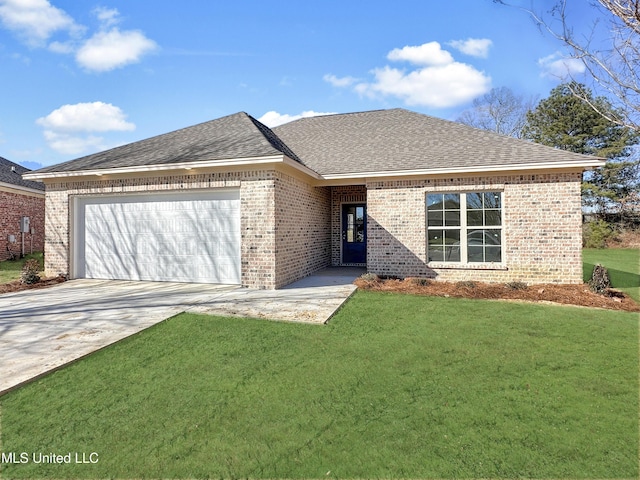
x: 42, y: 330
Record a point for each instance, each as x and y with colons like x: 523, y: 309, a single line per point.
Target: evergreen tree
x: 565, y: 121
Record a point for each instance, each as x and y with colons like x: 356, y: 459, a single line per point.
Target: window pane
x: 475, y: 253
x: 452, y: 254
x: 435, y: 201
x: 452, y: 218
x: 493, y: 254
x: 474, y: 201
x: 436, y: 254
x: 476, y: 237
x: 452, y: 236
x: 359, y: 214
x: 452, y: 201
x: 436, y: 237
x: 474, y: 218
x: 492, y: 217
x: 435, y: 219
x: 493, y: 237
x: 492, y: 200
x: 350, y: 225
x: 452, y: 245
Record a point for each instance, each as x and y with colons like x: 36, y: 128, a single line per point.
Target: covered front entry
x: 354, y: 233
x: 177, y: 237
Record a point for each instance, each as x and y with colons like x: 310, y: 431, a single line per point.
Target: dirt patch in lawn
x: 579, y: 295
x: 17, y: 286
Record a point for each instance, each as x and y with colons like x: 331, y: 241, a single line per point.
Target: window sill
x: 467, y: 266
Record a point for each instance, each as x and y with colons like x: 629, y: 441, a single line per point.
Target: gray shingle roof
x: 398, y: 139
x: 234, y: 136
x: 11, y: 173
x: 354, y: 143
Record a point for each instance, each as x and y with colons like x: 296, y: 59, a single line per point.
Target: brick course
x: 14, y: 206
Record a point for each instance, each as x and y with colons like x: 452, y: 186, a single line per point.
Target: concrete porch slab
x: 42, y: 330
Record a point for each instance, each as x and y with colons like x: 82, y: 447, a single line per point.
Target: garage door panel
x: 175, y: 237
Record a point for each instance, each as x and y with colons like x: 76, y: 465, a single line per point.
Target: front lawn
x: 394, y: 386
x: 623, y: 265
x: 10, y: 269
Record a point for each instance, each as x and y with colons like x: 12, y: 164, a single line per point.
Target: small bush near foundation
x: 516, y: 286
x: 370, y: 277
x: 30, y: 271
x: 466, y: 284
x: 421, y: 282
x: 600, y: 280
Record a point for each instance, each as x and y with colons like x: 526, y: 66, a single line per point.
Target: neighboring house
x: 19, y: 198
x: 404, y: 194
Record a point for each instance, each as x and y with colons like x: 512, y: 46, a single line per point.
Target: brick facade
x: 15, y: 204
x: 284, y: 221
x: 303, y: 233
x: 541, y: 226
x: 289, y: 228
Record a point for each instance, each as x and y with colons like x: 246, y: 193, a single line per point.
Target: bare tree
x: 614, y: 66
x: 500, y: 111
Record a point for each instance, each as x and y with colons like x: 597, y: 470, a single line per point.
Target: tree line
x: 573, y: 118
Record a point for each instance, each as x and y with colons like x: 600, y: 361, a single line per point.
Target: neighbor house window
x: 464, y: 227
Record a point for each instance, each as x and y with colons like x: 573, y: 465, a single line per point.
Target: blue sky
x: 82, y: 76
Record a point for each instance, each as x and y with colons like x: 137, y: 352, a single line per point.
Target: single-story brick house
x: 20, y: 198
x: 232, y: 201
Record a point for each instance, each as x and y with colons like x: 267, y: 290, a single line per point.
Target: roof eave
x: 583, y: 165
x: 188, y: 166
x: 13, y: 186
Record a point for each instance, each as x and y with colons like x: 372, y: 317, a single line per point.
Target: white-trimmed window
x: 464, y: 227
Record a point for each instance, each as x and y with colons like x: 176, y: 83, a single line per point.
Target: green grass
x: 623, y: 265
x: 10, y: 269
x: 394, y: 386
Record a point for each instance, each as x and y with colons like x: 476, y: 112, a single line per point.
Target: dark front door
x: 354, y: 233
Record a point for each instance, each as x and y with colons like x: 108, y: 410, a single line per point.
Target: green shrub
x: 516, y: 286
x: 596, y: 234
x: 30, y: 271
x: 466, y: 284
x: 600, y: 280
x: 370, y: 277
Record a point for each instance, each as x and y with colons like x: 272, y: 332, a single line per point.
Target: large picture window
x: 464, y: 227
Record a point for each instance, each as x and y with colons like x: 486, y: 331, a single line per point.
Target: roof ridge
x: 11, y: 173
x: 273, y: 139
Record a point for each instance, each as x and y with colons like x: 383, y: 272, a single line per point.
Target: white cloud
x: 67, y: 128
x: 107, y: 16
x: 86, y: 117
x: 339, y: 82
x: 559, y: 66
x: 475, y: 47
x: 36, y: 20
x: 436, y: 81
x: 273, y: 119
x: 107, y: 49
x: 426, y: 54
x: 73, y: 144
x: 113, y: 49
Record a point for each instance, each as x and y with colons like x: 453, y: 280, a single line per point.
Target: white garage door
x: 185, y: 237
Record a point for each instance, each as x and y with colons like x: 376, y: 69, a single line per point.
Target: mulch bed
x: 579, y: 295
x: 17, y: 285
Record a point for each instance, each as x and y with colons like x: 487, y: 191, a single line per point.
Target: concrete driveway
x: 42, y: 330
